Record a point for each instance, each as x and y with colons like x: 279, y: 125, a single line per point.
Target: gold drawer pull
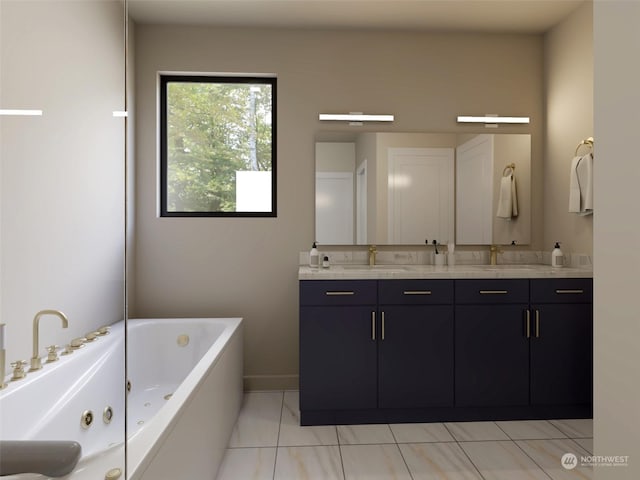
x: 493, y: 292
x: 528, y: 324
x: 570, y: 291
x: 339, y: 293
x: 417, y: 292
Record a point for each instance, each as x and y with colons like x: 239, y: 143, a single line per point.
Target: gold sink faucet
x: 372, y: 255
x: 36, y: 361
x: 494, y: 250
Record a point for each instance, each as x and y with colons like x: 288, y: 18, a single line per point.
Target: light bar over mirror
x: 491, y: 119
x: 355, y: 117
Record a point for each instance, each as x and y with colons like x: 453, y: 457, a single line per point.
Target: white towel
x: 585, y: 178
x: 508, y: 201
x: 574, y: 186
x: 581, y: 185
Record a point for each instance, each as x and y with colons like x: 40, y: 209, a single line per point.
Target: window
x: 217, y: 146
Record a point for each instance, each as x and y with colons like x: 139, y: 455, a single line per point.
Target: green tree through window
x: 218, y: 146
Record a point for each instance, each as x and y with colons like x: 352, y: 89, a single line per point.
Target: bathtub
x: 185, y: 378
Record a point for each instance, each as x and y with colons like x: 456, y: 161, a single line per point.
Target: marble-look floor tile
x: 420, y: 432
x: 364, y: 434
x: 438, y: 461
x: 259, y: 420
x: 586, y: 443
x: 247, y: 464
x: 530, y: 430
x: 308, y: 463
x: 548, y: 454
x: 476, y: 431
x: 292, y: 434
x: 502, y: 461
x: 372, y: 462
x: 575, y: 428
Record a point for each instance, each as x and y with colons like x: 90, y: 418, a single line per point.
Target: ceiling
x: 502, y: 16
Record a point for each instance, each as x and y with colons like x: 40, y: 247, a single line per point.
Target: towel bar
x: 587, y: 141
x: 511, y: 166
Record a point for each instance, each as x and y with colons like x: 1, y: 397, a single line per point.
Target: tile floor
x: 268, y: 443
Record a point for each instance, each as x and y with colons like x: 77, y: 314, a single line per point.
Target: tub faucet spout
x: 36, y: 361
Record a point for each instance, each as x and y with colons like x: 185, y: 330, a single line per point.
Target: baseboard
x: 270, y: 382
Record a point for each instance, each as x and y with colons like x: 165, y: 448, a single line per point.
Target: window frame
x: 164, y: 80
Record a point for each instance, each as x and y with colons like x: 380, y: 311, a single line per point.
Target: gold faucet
x: 372, y: 255
x: 494, y: 250
x: 36, y: 361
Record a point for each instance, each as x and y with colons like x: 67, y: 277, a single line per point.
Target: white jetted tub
x: 185, y: 379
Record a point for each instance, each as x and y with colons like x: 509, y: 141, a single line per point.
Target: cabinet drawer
x: 562, y: 290
x: 415, y: 292
x: 338, y: 292
x: 492, y: 291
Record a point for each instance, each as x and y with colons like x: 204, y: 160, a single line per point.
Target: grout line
x: 404, y: 459
x: 275, y: 458
x: 471, y: 461
x: 344, y: 475
x: 533, y: 460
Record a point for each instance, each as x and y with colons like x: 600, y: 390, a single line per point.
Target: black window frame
x: 165, y: 79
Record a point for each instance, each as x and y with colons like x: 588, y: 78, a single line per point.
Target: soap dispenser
x: 314, y: 256
x: 557, y: 257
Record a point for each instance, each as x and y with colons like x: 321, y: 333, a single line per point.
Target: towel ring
x: 511, y: 166
x: 587, y: 141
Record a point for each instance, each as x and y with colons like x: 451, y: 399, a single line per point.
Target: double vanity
x: 421, y: 343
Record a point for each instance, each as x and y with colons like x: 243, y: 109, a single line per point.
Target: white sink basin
x: 498, y: 268
x: 375, y: 267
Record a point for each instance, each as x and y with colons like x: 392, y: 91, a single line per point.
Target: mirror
x: 404, y: 188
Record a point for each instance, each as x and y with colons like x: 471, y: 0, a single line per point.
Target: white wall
x: 62, y: 191
x: 617, y: 236
x: 568, y: 81
x: 248, y: 267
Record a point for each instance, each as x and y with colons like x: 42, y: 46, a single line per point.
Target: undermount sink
x: 374, y: 267
x: 506, y: 267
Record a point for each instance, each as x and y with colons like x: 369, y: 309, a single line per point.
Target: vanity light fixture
x: 491, y: 119
x: 355, y: 117
x: 20, y: 112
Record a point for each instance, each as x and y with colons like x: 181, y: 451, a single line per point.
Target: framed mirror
x: 404, y: 188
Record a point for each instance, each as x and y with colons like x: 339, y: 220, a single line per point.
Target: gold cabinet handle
x: 537, y: 323
x: 493, y: 292
x: 528, y: 323
x: 578, y: 291
x: 339, y: 293
x: 382, y: 325
x: 417, y: 292
x: 373, y: 325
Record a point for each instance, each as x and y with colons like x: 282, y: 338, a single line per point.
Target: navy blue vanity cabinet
x: 491, y: 344
x: 561, y: 341
x: 338, y: 347
x: 415, y: 346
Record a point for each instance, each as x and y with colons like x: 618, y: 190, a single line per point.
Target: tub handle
x: 77, y: 342
x: 52, y: 353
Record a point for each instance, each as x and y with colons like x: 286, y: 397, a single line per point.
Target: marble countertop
x: 364, y: 272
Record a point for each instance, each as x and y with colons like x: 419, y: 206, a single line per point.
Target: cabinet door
x: 491, y: 355
x: 561, y: 354
x: 415, y: 356
x: 338, y: 351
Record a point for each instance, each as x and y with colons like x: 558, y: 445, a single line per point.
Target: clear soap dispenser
x: 314, y: 256
x: 557, y: 257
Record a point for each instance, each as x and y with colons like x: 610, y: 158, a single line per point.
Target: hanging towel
x: 574, y: 186
x: 581, y: 185
x: 508, y: 200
